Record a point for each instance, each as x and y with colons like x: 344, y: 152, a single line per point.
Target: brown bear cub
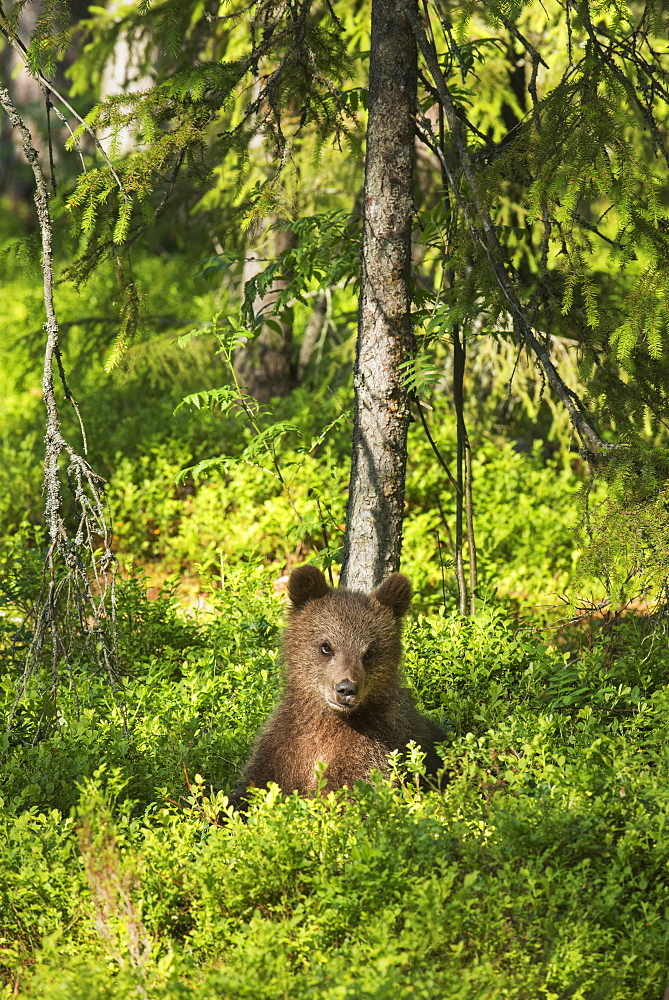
x: 343, y: 703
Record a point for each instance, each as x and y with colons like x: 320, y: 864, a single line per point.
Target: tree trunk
x: 265, y: 365
x: 123, y: 73
x: 313, y: 332
x: 376, y: 495
x: 26, y: 93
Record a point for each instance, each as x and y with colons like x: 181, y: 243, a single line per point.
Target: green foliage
x: 194, y: 672
x: 561, y: 118
x: 237, y: 510
x: 540, y: 869
x: 326, y: 256
x: 49, y: 37
x: 628, y: 528
x: 484, y: 659
x: 526, y: 514
x: 201, y: 111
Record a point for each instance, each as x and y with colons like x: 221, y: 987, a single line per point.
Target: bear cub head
x: 343, y: 648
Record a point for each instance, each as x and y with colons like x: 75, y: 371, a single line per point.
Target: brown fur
x: 351, y: 641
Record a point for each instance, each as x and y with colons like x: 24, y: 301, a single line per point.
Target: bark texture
x: 376, y: 496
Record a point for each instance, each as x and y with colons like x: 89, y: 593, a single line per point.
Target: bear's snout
x: 346, y: 693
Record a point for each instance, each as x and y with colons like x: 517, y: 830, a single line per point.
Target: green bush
x: 539, y: 870
x: 549, y: 892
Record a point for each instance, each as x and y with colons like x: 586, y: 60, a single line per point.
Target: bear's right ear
x: 306, y: 584
x: 395, y: 593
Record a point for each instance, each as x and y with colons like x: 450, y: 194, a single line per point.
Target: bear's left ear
x: 395, y: 593
x: 306, y: 583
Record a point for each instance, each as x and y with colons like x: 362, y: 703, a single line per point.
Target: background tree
x: 266, y: 363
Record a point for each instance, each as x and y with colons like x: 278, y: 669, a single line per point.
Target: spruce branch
x: 89, y: 604
x: 483, y: 230
x: 49, y: 91
x: 627, y: 49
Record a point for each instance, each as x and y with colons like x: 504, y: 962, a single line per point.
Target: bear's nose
x: 346, y: 689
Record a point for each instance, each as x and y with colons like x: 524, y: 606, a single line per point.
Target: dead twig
x: 86, y: 587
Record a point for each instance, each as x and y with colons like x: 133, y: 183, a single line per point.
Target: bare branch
x: 94, y: 613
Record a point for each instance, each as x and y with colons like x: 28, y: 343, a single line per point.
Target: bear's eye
x: 369, y: 653
x: 326, y: 649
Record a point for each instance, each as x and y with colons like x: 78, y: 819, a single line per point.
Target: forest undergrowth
x: 539, y: 870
